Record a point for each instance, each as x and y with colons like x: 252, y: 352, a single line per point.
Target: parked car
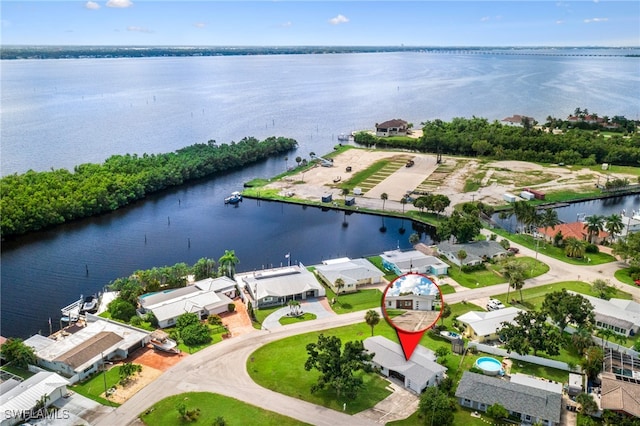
x: 494, y: 305
x: 637, y: 282
x: 514, y: 250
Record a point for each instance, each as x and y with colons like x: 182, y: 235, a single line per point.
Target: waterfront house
x: 402, y: 262
x: 205, y: 297
x: 78, y: 351
x: 395, y: 127
x: 477, y: 252
x: 620, y: 315
x: 273, y: 287
x: 484, y: 326
x: 415, y: 374
x: 21, y: 397
x: 353, y: 272
x: 577, y: 230
x: 517, y: 120
x: 527, y: 400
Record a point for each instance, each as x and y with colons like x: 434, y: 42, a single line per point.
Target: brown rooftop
x: 89, y: 349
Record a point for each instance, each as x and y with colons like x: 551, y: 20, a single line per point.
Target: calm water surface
x: 60, y: 113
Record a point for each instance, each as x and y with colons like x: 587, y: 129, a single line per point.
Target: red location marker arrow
x: 409, y: 340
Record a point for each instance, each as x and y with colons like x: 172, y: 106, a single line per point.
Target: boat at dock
x: 161, y: 342
x: 234, y: 198
x: 71, y: 313
x: 90, y: 304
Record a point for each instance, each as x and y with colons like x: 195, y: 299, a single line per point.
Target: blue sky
x: 298, y: 23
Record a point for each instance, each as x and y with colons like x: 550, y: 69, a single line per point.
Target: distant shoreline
x: 15, y: 52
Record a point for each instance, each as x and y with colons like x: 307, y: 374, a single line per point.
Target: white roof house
x: 278, y: 285
x: 402, y: 262
x: 23, y: 396
x: 483, y: 326
x: 204, y: 297
x: 417, y: 373
x: 354, y: 273
x: 79, y: 354
x: 619, y: 315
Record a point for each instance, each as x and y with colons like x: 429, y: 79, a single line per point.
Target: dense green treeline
x: 478, y: 136
x: 36, y: 200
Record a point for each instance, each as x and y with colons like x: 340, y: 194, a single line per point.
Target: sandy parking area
x: 492, y: 179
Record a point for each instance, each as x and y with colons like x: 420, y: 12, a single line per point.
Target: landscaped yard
x: 624, y: 276
x: 555, y: 252
x: 212, y: 406
x: 97, y: 384
x: 294, y: 320
x: 492, y: 275
x: 352, y: 302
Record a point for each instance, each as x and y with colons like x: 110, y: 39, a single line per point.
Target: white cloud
x: 92, y: 5
x: 588, y: 21
x: 199, y: 25
x: 139, y: 29
x: 484, y: 19
x: 119, y: 3
x: 340, y: 19
x: 286, y: 24
x: 559, y: 22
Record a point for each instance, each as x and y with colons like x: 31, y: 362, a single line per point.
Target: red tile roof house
x: 394, y: 127
x: 576, y: 230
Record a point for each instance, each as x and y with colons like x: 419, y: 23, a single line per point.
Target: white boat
x: 450, y: 335
x: 234, y: 198
x: 161, y: 342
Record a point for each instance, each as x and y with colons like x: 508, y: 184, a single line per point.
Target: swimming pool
x: 489, y: 366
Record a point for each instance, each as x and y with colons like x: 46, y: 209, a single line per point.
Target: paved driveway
x: 312, y: 306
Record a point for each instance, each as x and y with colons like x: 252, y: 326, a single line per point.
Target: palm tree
x: 461, y: 255
x: 549, y: 219
x: 582, y: 339
x: 594, y: 225
x: 613, y: 224
x: 514, y: 271
x: 345, y: 192
x: 403, y: 201
x: 372, y: 318
x: 524, y: 212
x: 228, y: 263
x: 339, y: 284
x: 605, y: 334
x: 445, y: 313
x: 574, y: 247
x: 384, y: 197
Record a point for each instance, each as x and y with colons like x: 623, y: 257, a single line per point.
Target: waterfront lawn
x: 555, y: 252
x: 94, y: 387
x: 352, y: 302
x: 212, y: 406
x: 294, y: 320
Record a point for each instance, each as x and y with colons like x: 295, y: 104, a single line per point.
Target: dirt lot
x: 146, y: 376
x: 448, y: 178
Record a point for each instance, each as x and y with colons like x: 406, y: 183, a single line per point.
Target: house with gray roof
x: 78, y: 355
x: 21, y: 397
x: 395, y: 127
x: 205, y: 297
x: 353, y: 272
x: 273, y: 287
x: 529, y: 403
x: 416, y: 373
x: 620, y: 315
x: 402, y: 262
x: 483, y: 326
x: 477, y: 252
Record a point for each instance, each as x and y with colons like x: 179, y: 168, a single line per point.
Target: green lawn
x: 215, y: 332
x: 533, y: 297
x: 624, y: 276
x: 352, y: 302
x: 211, y: 407
x: 555, y: 252
x: 94, y: 387
x: 377, y: 262
x: 492, y: 275
x: 461, y: 417
x: 294, y: 320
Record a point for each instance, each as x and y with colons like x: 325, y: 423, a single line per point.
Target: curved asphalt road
x: 221, y: 368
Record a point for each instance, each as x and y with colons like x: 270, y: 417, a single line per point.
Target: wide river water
x: 59, y: 113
